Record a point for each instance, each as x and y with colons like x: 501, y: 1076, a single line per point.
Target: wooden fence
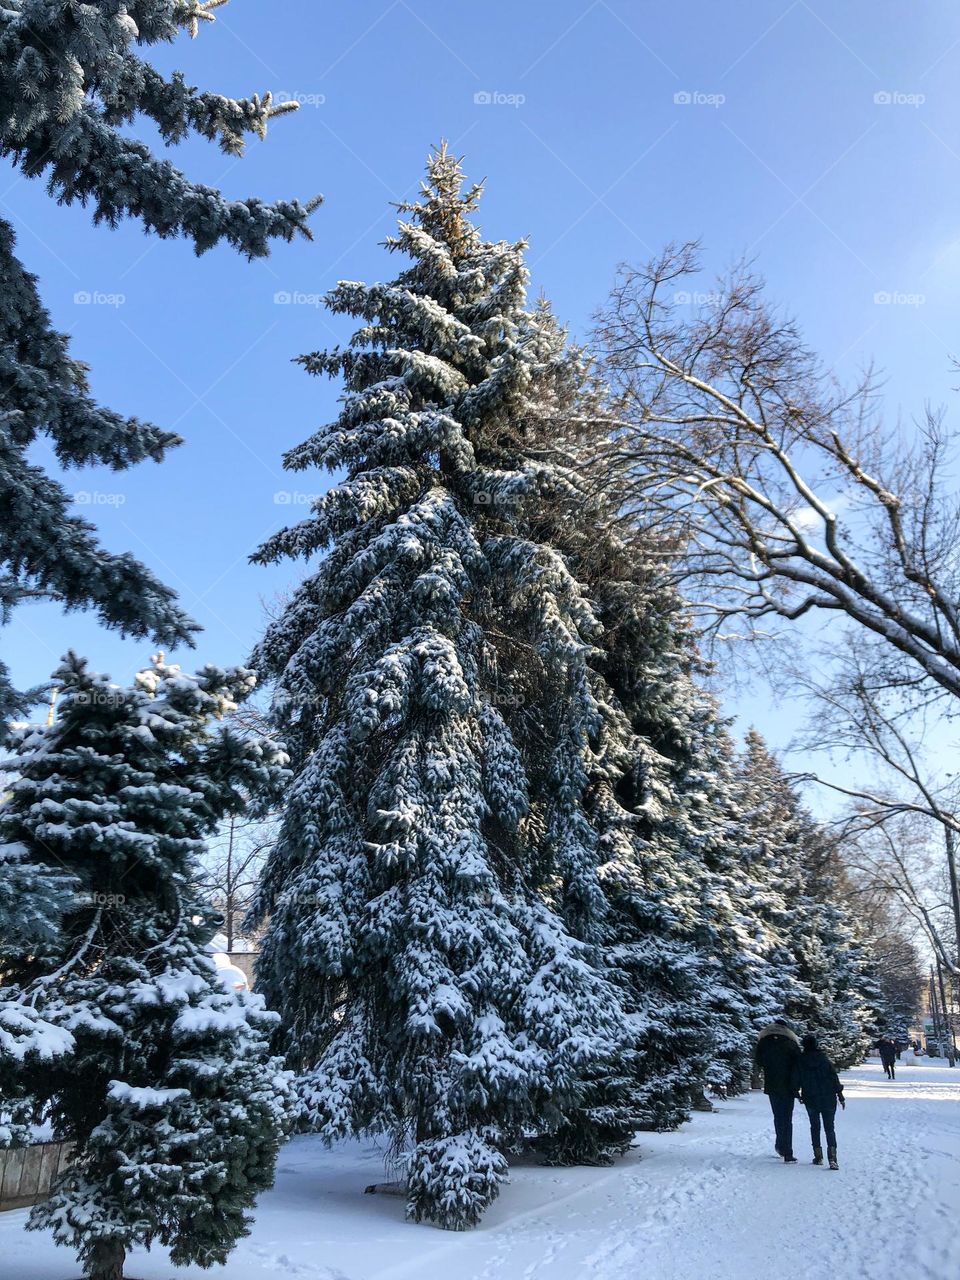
x: 27, y: 1172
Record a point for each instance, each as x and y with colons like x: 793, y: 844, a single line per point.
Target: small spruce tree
x: 160, y: 1075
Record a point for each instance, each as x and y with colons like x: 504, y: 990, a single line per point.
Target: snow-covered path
x: 710, y: 1200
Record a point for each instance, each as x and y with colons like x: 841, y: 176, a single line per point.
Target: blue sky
x: 821, y: 140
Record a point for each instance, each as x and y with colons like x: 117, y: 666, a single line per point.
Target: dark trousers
x: 827, y: 1115
x: 890, y: 1069
x: 781, y: 1104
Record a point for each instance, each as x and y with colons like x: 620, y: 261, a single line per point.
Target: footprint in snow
x: 285, y: 1265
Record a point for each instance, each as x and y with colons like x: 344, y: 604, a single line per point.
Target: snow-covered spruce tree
x: 165, y: 1083
x: 33, y: 899
x: 670, y: 925
x: 745, y: 925
x: 70, y: 82
x: 417, y: 947
x: 738, y: 987
x: 826, y: 983
x: 746, y: 950
x: 892, y: 958
x: 571, y: 762
x: 45, y: 551
x: 840, y: 968
x: 657, y: 886
x: 770, y: 844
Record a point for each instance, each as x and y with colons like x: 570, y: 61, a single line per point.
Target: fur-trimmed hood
x: 779, y: 1029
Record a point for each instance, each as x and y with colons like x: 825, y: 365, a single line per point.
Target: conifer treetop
x: 444, y: 209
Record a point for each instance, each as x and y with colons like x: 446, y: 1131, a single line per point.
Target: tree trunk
x: 938, y: 1028
x: 947, y: 1036
x: 954, y: 886
x: 106, y: 1260
x: 229, y: 902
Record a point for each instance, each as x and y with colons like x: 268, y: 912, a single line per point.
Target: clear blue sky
x: 784, y: 154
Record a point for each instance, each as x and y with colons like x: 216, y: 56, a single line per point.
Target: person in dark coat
x: 820, y: 1091
x: 777, y: 1054
x: 888, y: 1056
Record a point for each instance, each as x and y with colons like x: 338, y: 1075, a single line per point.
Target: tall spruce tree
x: 843, y: 973
x: 433, y: 898
x: 669, y: 924
x: 71, y: 81
x: 658, y: 888
x: 772, y: 853
x: 114, y: 1023
x: 747, y: 947
x: 714, y: 923
x: 827, y: 983
x: 739, y: 989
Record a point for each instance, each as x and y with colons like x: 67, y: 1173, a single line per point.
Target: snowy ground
x: 710, y: 1200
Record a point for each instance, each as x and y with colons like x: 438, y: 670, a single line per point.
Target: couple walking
x: 791, y: 1071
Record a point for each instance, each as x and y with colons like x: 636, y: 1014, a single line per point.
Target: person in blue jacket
x: 820, y: 1091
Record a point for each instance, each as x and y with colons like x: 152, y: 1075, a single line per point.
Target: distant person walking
x: 888, y: 1056
x: 820, y: 1091
x: 777, y: 1054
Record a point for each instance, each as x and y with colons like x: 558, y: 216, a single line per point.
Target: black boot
x: 818, y: 1155
x: 832, y: 1157
x: 791, y: 1159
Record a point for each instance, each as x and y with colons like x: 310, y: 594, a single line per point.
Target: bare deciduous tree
x: 873, y: 722
x: 790, y: 497
x: 790, y: 494
x: 891, y: 932
x: 232, y: 866
x: 897, y: 857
